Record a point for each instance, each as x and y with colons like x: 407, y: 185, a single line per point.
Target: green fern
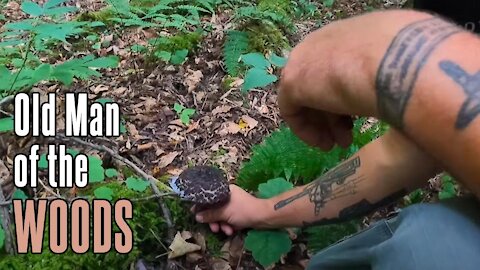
x: 235, y: 45
x: 283, y: 154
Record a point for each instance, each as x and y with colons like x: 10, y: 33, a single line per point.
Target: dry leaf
x: 192, y: 80
x: 194, y: 257
x: 100, y: 88
x: 200, y: 240
x: 146, y: 146
x: 229, y: 128
x: 168, y: 158
x: 252, y: 123
x: 4, y: 173
x: 180, y: 247
x: 186, y: 235
x: 221, y: 109
x: 220, y: 264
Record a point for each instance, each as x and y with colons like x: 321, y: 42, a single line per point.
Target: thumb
x: 209, y: 216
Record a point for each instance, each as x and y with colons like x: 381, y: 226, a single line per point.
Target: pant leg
x: 440, y: 236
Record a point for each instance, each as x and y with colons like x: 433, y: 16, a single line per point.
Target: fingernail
x: 199, y: 218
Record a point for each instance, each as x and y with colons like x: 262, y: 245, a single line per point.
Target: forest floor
x: 225, y: 125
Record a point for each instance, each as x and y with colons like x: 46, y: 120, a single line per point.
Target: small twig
x: 51, y: 198
x: 151, y: 179
x: 6, y: 100
x: 49, y: 189
x: 240, y: 259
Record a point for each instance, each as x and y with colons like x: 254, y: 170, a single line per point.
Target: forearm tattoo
x: 359, y: 209
x: 470, y: 84
x: 322, y: 190
x: 402, y: 63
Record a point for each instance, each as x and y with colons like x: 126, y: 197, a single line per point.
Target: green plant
x: 276, y: 242
x: 258, y: 75
x: 449, y: 189
x: 183, y: 113
x: 328, y: 3
x: 25, y: 41
x: 283, y: 154
x: 320, y: 237
x: 236, y: 45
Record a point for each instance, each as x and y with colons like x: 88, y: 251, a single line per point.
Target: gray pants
x: 440, y: 236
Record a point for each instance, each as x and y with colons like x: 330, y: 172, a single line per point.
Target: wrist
x: 264, y: 216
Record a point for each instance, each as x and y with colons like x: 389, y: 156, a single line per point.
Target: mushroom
x: 204, y: 186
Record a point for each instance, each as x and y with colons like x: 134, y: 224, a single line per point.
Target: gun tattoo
x: 359, y: 209
x: 471, y: 86
x: 403, y: 61
x: 321, y: 190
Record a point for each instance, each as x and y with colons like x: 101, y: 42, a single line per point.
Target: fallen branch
x: 166, y: 212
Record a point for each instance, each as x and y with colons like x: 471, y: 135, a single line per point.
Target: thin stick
x: 151, y: 179
x: 51, y: 198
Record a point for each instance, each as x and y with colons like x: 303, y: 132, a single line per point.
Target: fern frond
x: 235, y: 45
x: 283, y: 154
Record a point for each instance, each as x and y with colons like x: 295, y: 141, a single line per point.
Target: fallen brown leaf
x: 168, y: 158
x: 180, y: 247
x: 192, y: 80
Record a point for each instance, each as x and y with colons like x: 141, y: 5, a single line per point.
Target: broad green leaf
x: 278, y: 60
x: 179, y: 57
x: 256, y: 77
x: 6, y: 124
x: 43, y: 162
x: 178, y: 107
x: 104, y: 62
x: 59, y: 11
x: 72, y: 152
x: 256, y: 60
x: 53, y: 3
x: 123, y: 129
x: 22, y: 25
x: 96, y: 173
x: 103, y: 193
x: 111, y: 172
x: 163, y: 55
x: 103, y: 101
x: 185, y: 116
x: 96, y: 24
x: 41, y: 73
x: 328, y: 3
x: 32, y: 8
x: 273, y: 187
x: 19, y: 194
x: 268, y: 246
x: 138, y: 48
x: 137, y: 184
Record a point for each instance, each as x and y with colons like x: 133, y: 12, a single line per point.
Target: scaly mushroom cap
x: 202, y: 185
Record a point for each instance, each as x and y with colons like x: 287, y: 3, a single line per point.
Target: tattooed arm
x: 380, y: 173
x: 417, y: 72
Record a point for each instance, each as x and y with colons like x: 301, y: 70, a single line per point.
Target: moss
x: 180, y: 41
x: 266, y: 38
x: 281, y: 7
x: 226, y: 82
x: 103, y: 15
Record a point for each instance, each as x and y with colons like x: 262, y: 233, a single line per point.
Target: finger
x: 192, y: 209
x: 341, y: 129
x: 208, y: 216
x: 214, y: 227
x: 226, y: 228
